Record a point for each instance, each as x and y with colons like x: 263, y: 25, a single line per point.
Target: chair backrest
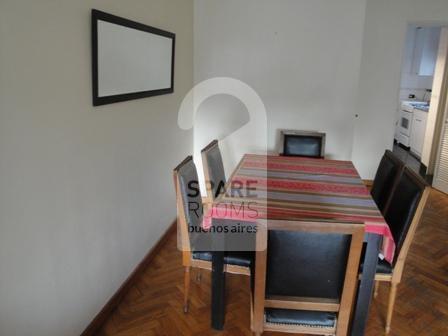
x: 189, y: 201
x: 214, y: 174
x: 405, y: 209
x: 308, y: 266
x: 387, y: 174
x: 302, y: 143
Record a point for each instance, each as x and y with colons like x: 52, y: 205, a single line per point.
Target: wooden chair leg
x: 186, y: 287
x: 390, y: 306
x: 377, y: 285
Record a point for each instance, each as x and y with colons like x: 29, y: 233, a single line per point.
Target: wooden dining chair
x: 302, y: 143
x: 215, y: 177
x: 403, y: 215
x: 306, y: 278
x: 387, y: 174
x: 194, y: 245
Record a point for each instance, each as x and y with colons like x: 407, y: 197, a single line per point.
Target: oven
x: 406, y: 122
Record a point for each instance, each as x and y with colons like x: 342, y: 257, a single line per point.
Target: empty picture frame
x: 130, y: 60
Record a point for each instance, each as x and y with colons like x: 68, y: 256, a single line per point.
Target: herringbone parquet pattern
x: 154, y: 304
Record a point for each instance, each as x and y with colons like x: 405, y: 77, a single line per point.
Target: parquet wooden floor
x: 154, y: 305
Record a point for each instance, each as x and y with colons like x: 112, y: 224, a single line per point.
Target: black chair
x: 403, y: 215
x: 215, y: 177
x: 196, y: 245
x: 306, y: 280
x: 302, y: 143
x: 389, y: 170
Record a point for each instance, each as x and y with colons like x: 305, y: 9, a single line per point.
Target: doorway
x: 422, y: 100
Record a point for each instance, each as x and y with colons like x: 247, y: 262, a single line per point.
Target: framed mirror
x: 130, y: 60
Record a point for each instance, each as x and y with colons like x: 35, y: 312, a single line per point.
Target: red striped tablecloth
x: 292, y: 188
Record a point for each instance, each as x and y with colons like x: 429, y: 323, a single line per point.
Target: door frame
x: 442, y: 125
x: 441, y: 96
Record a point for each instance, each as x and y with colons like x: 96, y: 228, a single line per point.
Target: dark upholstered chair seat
x: 240, y: 258
x: 383, y: 267
x: 300, y: 317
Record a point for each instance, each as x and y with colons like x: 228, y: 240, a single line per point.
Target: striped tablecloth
x: 292, y: 188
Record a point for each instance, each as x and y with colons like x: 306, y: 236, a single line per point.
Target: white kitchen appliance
x: 403, y: 133
x: 405, y: 124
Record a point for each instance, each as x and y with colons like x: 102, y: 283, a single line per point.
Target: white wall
x: 302, y: 57
x: 384, y: 36
x: 84, y: 192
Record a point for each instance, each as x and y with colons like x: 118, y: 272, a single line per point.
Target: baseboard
x: 94, y: 326
x: 406, y: 148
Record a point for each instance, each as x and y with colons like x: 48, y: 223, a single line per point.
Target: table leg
x: 218, y: 290
x: 366, y: 285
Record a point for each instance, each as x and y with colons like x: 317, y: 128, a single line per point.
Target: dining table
x: 300, y: 188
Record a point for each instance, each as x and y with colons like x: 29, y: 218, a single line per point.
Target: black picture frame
x: 103, y: 100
